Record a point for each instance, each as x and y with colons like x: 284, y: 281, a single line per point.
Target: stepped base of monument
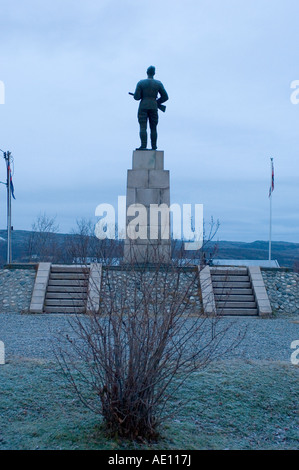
x: 147, y: 186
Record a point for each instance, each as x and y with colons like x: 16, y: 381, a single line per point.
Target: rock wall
x: 16, y: 286
x: 282, y: 286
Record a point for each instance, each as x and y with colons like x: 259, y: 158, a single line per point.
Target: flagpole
x: 270, y: 234
x: 270, y: 196
x: 9, y: 257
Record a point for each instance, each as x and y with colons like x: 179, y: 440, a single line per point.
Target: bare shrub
x: 134, y: 352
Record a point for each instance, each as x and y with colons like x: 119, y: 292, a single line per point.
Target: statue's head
x: 151, y: 71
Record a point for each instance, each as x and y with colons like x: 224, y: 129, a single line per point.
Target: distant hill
x: 20, y: 244
x: 285, y: 253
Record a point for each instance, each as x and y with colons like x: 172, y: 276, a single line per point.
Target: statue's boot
x: 143, y: 138
x: 154, y: 140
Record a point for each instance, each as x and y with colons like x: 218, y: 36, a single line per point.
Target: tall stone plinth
x: 148, y: 202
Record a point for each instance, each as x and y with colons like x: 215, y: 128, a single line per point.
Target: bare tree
x: 207, y: 251
x: 82, y: 246
x: 141, y: 345
x: 78, y: 247
x: 42, y: 243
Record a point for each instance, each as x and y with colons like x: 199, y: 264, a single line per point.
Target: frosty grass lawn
x: 233, y: 405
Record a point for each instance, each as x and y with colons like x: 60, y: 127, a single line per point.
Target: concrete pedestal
x: 148, y: 234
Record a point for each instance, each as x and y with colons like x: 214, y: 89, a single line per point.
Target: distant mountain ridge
x: 286, y: 253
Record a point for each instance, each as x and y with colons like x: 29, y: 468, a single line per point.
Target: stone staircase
x: 233, y: 291
x: 76, y: 289
x: 67, y: 289
x: 62, y: 288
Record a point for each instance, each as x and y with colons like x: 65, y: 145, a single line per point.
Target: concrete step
x: 69, y: 269
x: 231, y: 285
x: 64, y: 303
x: 69, y: 282
x: 232, y: 291
x: 238, y: 311
x: 229, y: 271
x: 234, y: 298
x: 64, y: 276
x: 64, y: 310
x: 67, y: 289
x: 227, y: 305
x: 65, y: 295
x: 230, y: 278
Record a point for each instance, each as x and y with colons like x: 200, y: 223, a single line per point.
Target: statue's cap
x: 151, y: 70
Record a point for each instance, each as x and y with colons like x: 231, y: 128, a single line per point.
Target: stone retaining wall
x: 16, y: 286
x: 282, y: 286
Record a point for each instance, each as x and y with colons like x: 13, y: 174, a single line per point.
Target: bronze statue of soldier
x: 147, y: 91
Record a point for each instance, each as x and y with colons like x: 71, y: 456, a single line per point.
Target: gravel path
x: 33, y: 336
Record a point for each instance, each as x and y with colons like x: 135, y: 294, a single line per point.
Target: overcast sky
x: 71, y: 126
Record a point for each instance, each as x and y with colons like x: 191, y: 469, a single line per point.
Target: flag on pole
x: 272, y: 179
x: 11, y: 183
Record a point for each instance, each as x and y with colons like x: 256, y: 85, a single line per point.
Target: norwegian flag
x: 11, y: 183
x: 272, y: 179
